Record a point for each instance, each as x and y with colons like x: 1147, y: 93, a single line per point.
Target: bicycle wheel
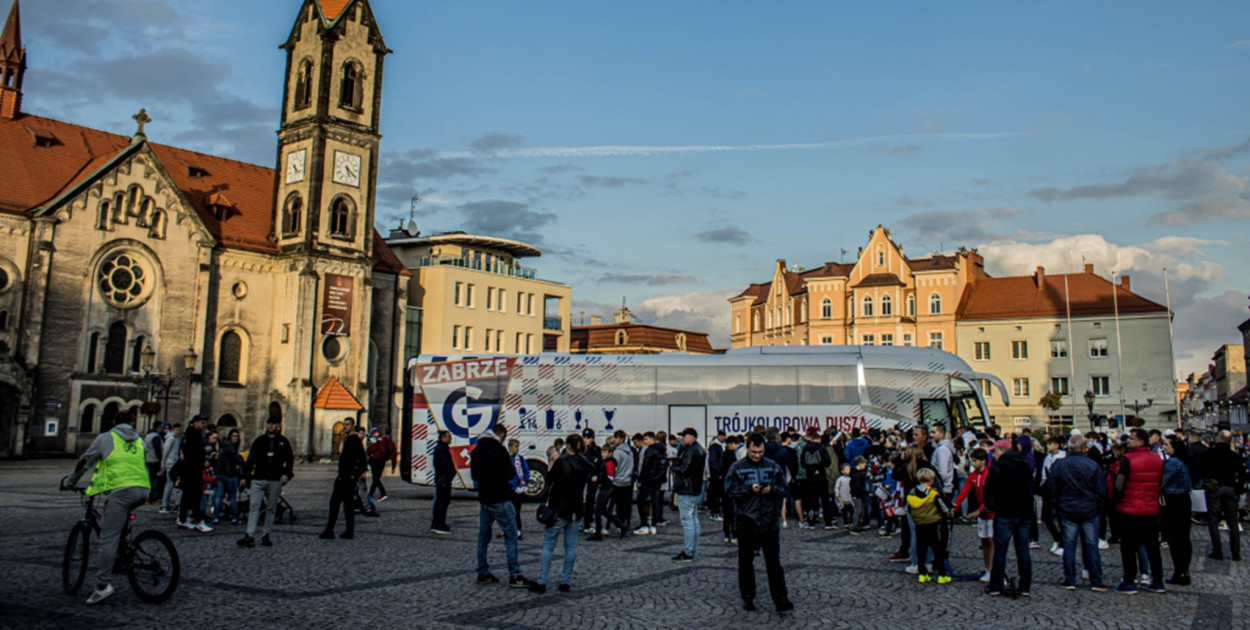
x: 74, y: 562
x: 153, y: 569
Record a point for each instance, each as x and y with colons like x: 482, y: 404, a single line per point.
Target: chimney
x: 1040, y: 277
x: 596, y: 320
x: 1089, y: 267
x: 1124, y: 283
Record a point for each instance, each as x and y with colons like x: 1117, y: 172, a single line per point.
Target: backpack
x: 811, y: 458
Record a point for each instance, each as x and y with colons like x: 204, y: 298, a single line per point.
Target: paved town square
x: 396, y: 574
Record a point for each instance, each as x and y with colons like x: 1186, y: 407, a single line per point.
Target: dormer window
x: 195, y: 172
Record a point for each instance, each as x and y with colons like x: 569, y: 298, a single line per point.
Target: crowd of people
x: 1141, y: 490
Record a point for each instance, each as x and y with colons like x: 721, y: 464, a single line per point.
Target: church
x: 145, y: 277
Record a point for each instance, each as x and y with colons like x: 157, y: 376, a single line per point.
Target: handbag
x: 1198, y: 499
x: 546, y: 515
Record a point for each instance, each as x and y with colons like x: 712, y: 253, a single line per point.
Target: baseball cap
x: 811, y: 430
x: 1003, y: 444
x: 588, y: 433
x: 689, y: 431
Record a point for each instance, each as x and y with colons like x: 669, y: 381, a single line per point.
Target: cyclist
x: 121, y: 473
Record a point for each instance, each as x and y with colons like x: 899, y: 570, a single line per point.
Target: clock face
x: 295, y: 166
x: 346, y: 168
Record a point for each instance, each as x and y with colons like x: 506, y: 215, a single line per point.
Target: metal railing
x: 552, y: 322
x: 503, y: 269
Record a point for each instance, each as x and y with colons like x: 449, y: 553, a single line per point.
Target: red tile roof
x: 384, y: 258
x: 878, y: 280
x: 1019, y: 296
x: 333, y: 395
x: 42, y: 158
x: 931, y: 263
x: 757, y: 291
x: 603, y: 338
x: 829, y: 270
x: 332, y: 8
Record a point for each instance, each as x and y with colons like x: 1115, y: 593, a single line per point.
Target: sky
x: 668, y: 153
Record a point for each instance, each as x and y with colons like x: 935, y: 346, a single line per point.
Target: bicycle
x: 150, y: 561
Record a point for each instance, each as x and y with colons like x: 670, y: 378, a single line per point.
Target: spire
x: 12, y: 65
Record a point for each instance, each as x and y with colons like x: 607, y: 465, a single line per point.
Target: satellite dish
x: 412, y: 228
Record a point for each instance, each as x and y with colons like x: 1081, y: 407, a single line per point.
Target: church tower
x: 328, y: 142
x: 12, y: 65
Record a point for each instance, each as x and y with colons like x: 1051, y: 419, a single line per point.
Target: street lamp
x: 1137, y: 407
x: 163, y: 385
x: 1089, y: 404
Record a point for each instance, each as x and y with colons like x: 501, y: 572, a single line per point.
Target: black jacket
x: 491, y: 467
x: 715, y: 460
x: 229, y: 463
x: 1009, y: 487
x: 270, y: 459
x: 444, y: 466
x: 568, y: 485
x: 813, y: 450
x: 1220, y: 464
x: 654, y: 465
x: 192, y: 452
x: 1077, y: 487
x: 352, y: 461
x: 752, y: 511
x: 688, y: 470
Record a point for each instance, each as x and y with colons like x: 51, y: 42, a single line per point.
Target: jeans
x: 749, y: 541
x: 1222, y: 504
x: 1087, y: 530
x: 1015, y: 531
x: 503, y: 514
x: 112, y: 521
x: 167, y: 495
x: 1136, y: 531
x: 442, y: 500
x: 266, y: 493
x: 688, y: 508
x: 550, y: 535
x: 226, y: 486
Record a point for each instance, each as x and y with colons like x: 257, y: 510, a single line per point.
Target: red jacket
x: 976, y: 481
x: 1140, y: 495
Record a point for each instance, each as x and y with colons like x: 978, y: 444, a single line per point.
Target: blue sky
x: 669, y: 152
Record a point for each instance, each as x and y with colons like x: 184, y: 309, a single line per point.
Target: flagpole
x: 1119, y: 350
x: 1172, y: 348
x: 1067, y: 302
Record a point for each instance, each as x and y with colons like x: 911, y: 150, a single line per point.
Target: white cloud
x: 1241, y: 43
x: 706, y: 311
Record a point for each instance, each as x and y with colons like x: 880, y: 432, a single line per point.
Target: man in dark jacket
x: 651, y: 476
x: 491, y: 467
x: 1225, y: 477
x: 715, y: 476
x: 688, y: 486
x: 444, y: 474
x: 1009, y: 495
x: 270, y: 464
x: 728, y: 459
x: 815, y: 459
x: 595, y: 457
x: 757, y: 487
x: 352, y: 464
x: 1078, y: 491
x: 191, y: 476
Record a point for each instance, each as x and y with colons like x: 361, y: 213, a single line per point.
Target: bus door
x: 935, y: 411
x: 682, y: 416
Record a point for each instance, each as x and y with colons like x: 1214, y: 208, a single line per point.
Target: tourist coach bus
x: 542, y: 397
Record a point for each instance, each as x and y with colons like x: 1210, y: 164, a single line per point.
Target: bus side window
x: 824, y: 385
x: 774, y: 385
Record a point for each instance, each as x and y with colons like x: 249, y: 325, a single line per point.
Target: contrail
x: 617, y: 150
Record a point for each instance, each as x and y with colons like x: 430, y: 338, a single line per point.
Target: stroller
x: 284, y: 513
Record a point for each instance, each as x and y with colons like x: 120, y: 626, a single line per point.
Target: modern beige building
x: 470, y: 294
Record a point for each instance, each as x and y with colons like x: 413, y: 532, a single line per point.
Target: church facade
x: 140, y: 276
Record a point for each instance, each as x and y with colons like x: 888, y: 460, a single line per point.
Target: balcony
x: 553, y: 323
x: 502, y: 269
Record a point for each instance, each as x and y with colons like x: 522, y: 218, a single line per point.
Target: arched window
x: 292, y: 214
x: 109, y: 417
x: 911, y: 306
x: 622, y: 338
x: 229, y: 358
x: 93, y: 348
x: 136, y: 359
x: 227, y: 421
x: 303, y: 85
x: 887, y: 306
x: 826, y: 309
x: 880, y: 256
x: 115, y: 349
x: 935, y: 304
x: 867, y: 310
x: 350, y: 88
x: 737, y: 323
x: 86, y: 422
x: 4, y: 320
x: 340, y: 217
x: 104, y: 219
x: 681, y: 342
x: 755, y: 327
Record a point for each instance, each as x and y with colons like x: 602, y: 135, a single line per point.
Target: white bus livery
x: 545, y: 396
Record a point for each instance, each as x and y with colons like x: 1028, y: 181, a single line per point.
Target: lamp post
x: 1089, y: 404
x: 163, y: 385
x: 1137, y: 407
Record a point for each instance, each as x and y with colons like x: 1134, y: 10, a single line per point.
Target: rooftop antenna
x: 412, y: 216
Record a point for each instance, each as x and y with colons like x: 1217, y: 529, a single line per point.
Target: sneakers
x: 100, y: 594
x: 642, y: 531
x: 683, y: 558
x: 943, y: 579
x: 1033, y: 544
x: 924, y: 578
x: 1068, y: 587
x: 898, y: 557
x: 785, y: 608
x: 1157, y: 587
x: 164, y: 510
x: 733, y: 541
x: 202, y: 527
x: 725, y: 540
x: 265, y: 542
x: 992, y: 593
x: 247, y: 541
x: 441, y: 531
x: 487, y: 578
x: 383, y: 498
x: 1103, y: 544
x: 563, y: 588
x: 857, y: 532
x: 519, y: 581
x: 716, y: 517
x: 1180, y: 579
x: 1127, y: 588
x: 326, y: 535
x: 804, y: 525
x: 984, y: 577
x: 535, y: 587
x: 660, y: 523
x: 1100, y: 588
x: 589, y: 530
x: 1143, y: 579
x: 1056, y: 549
x: 749, y: 605
x: 881, y: 531
x: 911, y: 569
x: 653, y: 532
x: 595, y: 537
x: 1084, y: 575
x: 186, y: 525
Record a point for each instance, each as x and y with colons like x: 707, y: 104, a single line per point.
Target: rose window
x: 123, y: 280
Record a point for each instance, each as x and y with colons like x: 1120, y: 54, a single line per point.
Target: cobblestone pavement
x: 397, y: 575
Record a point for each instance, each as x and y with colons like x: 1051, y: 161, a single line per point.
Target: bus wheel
x: 537, y: 488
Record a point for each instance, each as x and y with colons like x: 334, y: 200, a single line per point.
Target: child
x: 927, y: 510
x: 859, y: 495
x: 842, y: 494
x: 210, y: 483
x: 985, y: 518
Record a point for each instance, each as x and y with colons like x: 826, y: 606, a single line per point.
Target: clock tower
x: 327, y: 163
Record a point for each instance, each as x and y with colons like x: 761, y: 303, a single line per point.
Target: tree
x: 1052, y: 402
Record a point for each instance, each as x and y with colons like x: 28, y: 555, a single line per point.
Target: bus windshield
x: 966, y: 404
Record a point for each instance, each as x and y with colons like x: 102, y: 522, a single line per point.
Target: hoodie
x: 101, y: 447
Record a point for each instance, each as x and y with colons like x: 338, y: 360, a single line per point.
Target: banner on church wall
x: 336, y: 310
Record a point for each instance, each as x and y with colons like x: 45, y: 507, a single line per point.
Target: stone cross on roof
x: 143, y: 119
